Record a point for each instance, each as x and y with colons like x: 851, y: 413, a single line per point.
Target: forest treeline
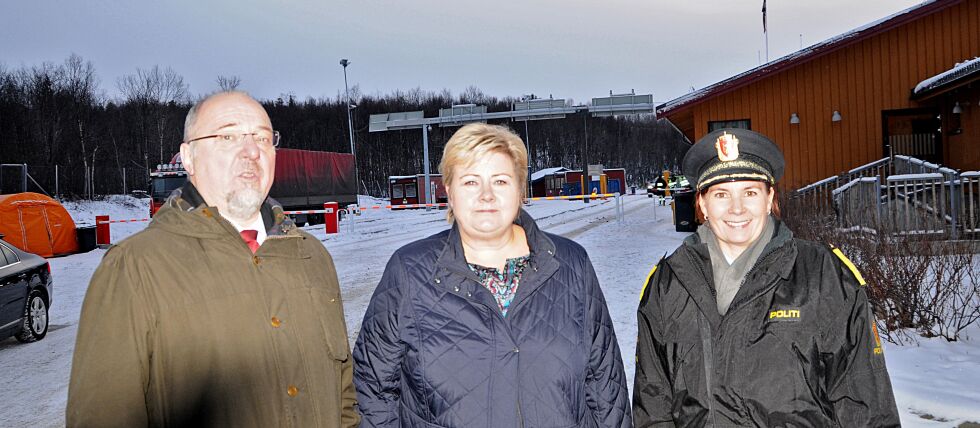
x: 59, y: 114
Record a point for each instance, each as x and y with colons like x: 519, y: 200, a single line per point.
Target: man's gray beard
x: 244, y: 203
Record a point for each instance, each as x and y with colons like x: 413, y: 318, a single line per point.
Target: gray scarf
x: 728, y: 277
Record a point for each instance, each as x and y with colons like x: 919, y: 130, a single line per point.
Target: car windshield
x: 163, y: 186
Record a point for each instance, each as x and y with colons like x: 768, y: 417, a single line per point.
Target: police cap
x: 732, y: 154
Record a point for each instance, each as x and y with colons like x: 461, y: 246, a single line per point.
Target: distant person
x: 221, y: 312
x: 660, y: 187
x: 745, y: 325
x: 493, y: 323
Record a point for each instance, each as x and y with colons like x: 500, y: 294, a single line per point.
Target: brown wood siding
x: 860, y: 81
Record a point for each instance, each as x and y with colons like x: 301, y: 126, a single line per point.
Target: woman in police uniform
x: 745, y: 325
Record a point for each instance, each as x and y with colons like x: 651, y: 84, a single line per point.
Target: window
x: 410, y: 190
x: 7, y: 257
x: 163, y: 186
x: 740, y: 124
x: 397, y: 191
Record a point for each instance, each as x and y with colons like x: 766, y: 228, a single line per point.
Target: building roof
x: 537, y: 175
x: 960, y: 73
x: 804, y: 55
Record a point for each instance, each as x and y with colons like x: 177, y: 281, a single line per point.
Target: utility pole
x: 350, y: 127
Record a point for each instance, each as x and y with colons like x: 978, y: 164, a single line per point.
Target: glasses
x: 265, y: 139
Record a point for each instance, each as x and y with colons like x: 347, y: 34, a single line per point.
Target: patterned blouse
x: 503, y: 285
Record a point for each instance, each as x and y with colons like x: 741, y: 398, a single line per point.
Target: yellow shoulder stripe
x: 643, y: 292
x: 847, y: 262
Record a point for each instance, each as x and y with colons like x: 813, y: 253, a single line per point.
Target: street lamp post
x: 527, y: 139
x: 350, y: 126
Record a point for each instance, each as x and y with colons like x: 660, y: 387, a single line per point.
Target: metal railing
x: 901, y: 195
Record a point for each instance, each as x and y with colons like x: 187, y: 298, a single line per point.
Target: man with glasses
x: 221, y: 312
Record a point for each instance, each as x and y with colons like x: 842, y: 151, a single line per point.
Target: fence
x: 901, y: 195
x: 73, y: 181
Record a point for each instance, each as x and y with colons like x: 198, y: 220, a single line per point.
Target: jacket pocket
x: 333, y: 323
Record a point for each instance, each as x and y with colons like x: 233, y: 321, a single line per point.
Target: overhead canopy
x: 37, y: 224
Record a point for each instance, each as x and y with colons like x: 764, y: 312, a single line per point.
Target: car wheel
x: 35, y: 319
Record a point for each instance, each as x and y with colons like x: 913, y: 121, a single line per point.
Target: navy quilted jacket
x: 434, y: 350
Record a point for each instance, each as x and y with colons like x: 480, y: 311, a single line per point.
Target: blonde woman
x: 492, y: 323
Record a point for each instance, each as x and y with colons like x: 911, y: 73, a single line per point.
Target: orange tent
x: 37, y: 224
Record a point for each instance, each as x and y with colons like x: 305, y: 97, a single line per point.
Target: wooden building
x: 852, y: 99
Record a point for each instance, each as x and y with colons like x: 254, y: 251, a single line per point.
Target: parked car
x: 25, y: 294
x: 679, y: 183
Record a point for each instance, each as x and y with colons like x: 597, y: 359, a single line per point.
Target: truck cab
x: 164, y: 180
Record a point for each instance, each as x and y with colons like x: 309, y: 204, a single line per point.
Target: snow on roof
x: 961, y: 69
x: 784, y: 61
x: 545, y: 172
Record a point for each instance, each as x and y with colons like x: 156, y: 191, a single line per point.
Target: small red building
x: 548, y: 182
x: 411, y: 189
x: 612, y: 180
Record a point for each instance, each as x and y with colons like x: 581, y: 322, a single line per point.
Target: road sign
x: 459, y: 115
x: 621, y: 104
x: 539, y: 109
x: 396, y: 121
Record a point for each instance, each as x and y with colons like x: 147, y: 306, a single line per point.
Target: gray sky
x: 569, y: 48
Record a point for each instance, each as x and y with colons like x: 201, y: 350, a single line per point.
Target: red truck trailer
x: 305, y: 179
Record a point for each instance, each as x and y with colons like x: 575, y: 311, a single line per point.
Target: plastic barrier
x: 330, y: 219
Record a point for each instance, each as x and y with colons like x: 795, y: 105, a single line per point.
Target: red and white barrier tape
x: 554, y: 198
x: 389, y: 207
x: 135, y: 220
x: 326, y: 211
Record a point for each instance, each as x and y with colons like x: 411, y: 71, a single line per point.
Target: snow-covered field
x: 936, y: 383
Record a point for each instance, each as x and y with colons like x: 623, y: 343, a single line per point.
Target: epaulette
x: 847, y: 262
x: 646, y: 283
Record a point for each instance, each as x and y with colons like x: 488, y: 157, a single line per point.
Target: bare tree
x: 80, y: 82
x: 155, y: 92
x: 229, y: 83
x: 153, y: 86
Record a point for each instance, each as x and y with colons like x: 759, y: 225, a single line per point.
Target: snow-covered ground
x: 936, y: 383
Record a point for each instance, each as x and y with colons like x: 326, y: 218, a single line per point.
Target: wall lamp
x: 835, y: 117
x: 957, y: 109
x: 794, y: 119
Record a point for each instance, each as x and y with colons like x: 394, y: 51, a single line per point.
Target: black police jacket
x: 797, y: 347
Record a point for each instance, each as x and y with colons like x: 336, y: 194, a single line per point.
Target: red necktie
x: 249, y: 236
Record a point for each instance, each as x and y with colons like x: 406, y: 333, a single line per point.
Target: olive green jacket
x: 183, y: 326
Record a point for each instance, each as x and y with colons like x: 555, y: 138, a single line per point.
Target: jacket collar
x: 186, y: 213
x: 692, y: 265
x: 453, y: 273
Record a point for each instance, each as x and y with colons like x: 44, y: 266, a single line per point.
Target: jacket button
x: 456, y: 289
x: 333, y: 300
x: 292, y: 391
x: 468, y: 294
x: 275, y: 322
x: 516, y: 350
x: 255, y: 260
x: 551, y: 252
x: 438, y: 281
